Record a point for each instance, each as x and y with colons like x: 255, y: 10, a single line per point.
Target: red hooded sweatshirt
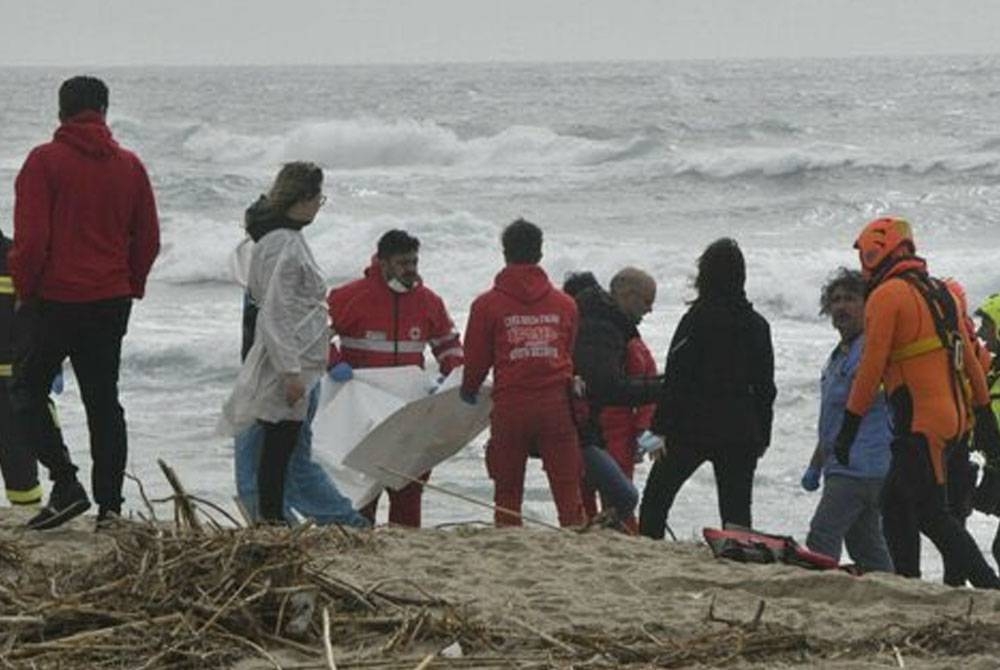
x: 85, y: 224
x: 380, y: 328
x: 524, y: 328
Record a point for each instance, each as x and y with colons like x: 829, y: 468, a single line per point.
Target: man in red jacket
x: 524, y: 328
x: 85, y: 237
x: 387, y: 319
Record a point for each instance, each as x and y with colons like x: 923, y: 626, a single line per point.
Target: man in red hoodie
x: 85, y: 237
x: 525, y: 328
x: 387, y: 319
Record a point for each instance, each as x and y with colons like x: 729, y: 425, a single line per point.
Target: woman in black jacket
x: 718, y: 394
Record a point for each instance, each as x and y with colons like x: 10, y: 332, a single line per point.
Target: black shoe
x: 66, y: 501
x: 107, y: 519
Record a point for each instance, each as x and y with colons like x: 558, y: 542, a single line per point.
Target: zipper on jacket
x: 395, y: 328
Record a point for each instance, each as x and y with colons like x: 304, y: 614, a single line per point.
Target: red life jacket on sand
x: 380, y: 328
x: 747, y: 546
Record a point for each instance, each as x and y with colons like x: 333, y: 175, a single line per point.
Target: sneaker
x: 66, y: 501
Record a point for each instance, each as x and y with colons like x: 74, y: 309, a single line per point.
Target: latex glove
x: 986, y: 436
x: 650, y: 443
x: 468, y: 397
x: 58, y: 384
x: 341, y: 372
x: 436, y: 384
x: 810, y: 480
x: 845, y: 438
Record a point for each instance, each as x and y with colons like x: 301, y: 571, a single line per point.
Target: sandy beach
x: 508, y: 598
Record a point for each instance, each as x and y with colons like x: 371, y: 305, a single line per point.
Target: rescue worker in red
x: 917, y: 348
x: 387, y: 319
x: 524, y: 328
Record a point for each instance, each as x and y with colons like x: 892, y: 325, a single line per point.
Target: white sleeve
x: 277, y: 319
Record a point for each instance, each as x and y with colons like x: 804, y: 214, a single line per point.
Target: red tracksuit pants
x: 536, y: 423
x: 404, y: 505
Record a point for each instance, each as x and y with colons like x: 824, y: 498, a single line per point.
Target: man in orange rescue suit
x: 525, y: 328
x: 387, y: 319
x: 917, y: 347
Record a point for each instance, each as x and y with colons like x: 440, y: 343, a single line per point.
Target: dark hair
x: 576, y: 282
x: 842, y: 278
x: 722, y: 271
x: 396, y: 242
x: 296, y: 181
x: 522, y: 242
x: 81, y: 94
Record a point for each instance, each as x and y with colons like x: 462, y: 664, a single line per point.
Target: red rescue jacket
x: 622, y: 425
x: 85, y: 224
x: 380, y: 328
x: 524, y: 328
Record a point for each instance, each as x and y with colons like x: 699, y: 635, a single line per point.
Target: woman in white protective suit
x: 291, y: 336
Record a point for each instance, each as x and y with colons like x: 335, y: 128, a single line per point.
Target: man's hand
x: 845, y: 438
x: 294, y: 389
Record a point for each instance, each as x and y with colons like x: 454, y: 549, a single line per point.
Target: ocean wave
x: 788, y: 162
x: 369, y: 143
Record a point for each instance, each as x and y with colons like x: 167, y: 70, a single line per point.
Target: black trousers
x: 915, y: 503
x: 734, y: 467
x: 280, y: 440
x: 959, y: 488
x: 90, y: 334
x: 17, y: 464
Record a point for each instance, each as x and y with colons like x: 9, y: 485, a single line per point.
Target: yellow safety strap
x: 6, y: 285
x: 29, y: 497
x: 914, y: 349
x: 6, y: 370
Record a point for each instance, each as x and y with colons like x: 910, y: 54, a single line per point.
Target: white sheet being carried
x: 384, y: 418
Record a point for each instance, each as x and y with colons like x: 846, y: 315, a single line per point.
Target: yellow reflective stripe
x: 28, y: 497
x: 6, y: 285
x: 918, y: 348
x: 6, y: 370
x: 54, y: 413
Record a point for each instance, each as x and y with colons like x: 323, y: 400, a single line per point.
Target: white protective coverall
x: 291, y: 336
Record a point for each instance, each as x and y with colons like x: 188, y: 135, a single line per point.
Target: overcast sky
x: 215, y: 32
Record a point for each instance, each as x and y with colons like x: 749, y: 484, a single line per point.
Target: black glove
x: 986, y: 497
x: 986, y: 436
x: 845, y: 438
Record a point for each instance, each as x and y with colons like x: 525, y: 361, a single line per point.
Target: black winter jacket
x: 599, y: 358
x: 719, y: 378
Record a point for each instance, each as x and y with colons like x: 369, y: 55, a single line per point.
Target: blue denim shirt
x: 870, y: 451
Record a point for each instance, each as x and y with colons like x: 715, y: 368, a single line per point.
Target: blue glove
x: 341, y: 372
x: 810, y: 480
x: 58, y: 384
x: 649, y: 442
x: 468, y: 397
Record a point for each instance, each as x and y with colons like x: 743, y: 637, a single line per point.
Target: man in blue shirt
x: 849, y: 511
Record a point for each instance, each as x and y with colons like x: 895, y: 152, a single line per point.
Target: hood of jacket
x: 525, y: 282
x: 597, y: 304
x: 89, y: 134
x: 260, y: 219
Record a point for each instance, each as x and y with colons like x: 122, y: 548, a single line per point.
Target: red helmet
x: 881, y: 238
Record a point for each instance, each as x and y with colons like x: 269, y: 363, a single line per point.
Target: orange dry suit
x: 917, y: 347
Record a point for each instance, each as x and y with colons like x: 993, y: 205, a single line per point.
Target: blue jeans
x: 603, y: 474
x: 850, y: 512
x: 308, y: 488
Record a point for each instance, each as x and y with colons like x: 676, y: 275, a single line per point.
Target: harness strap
x: 917, y: 348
